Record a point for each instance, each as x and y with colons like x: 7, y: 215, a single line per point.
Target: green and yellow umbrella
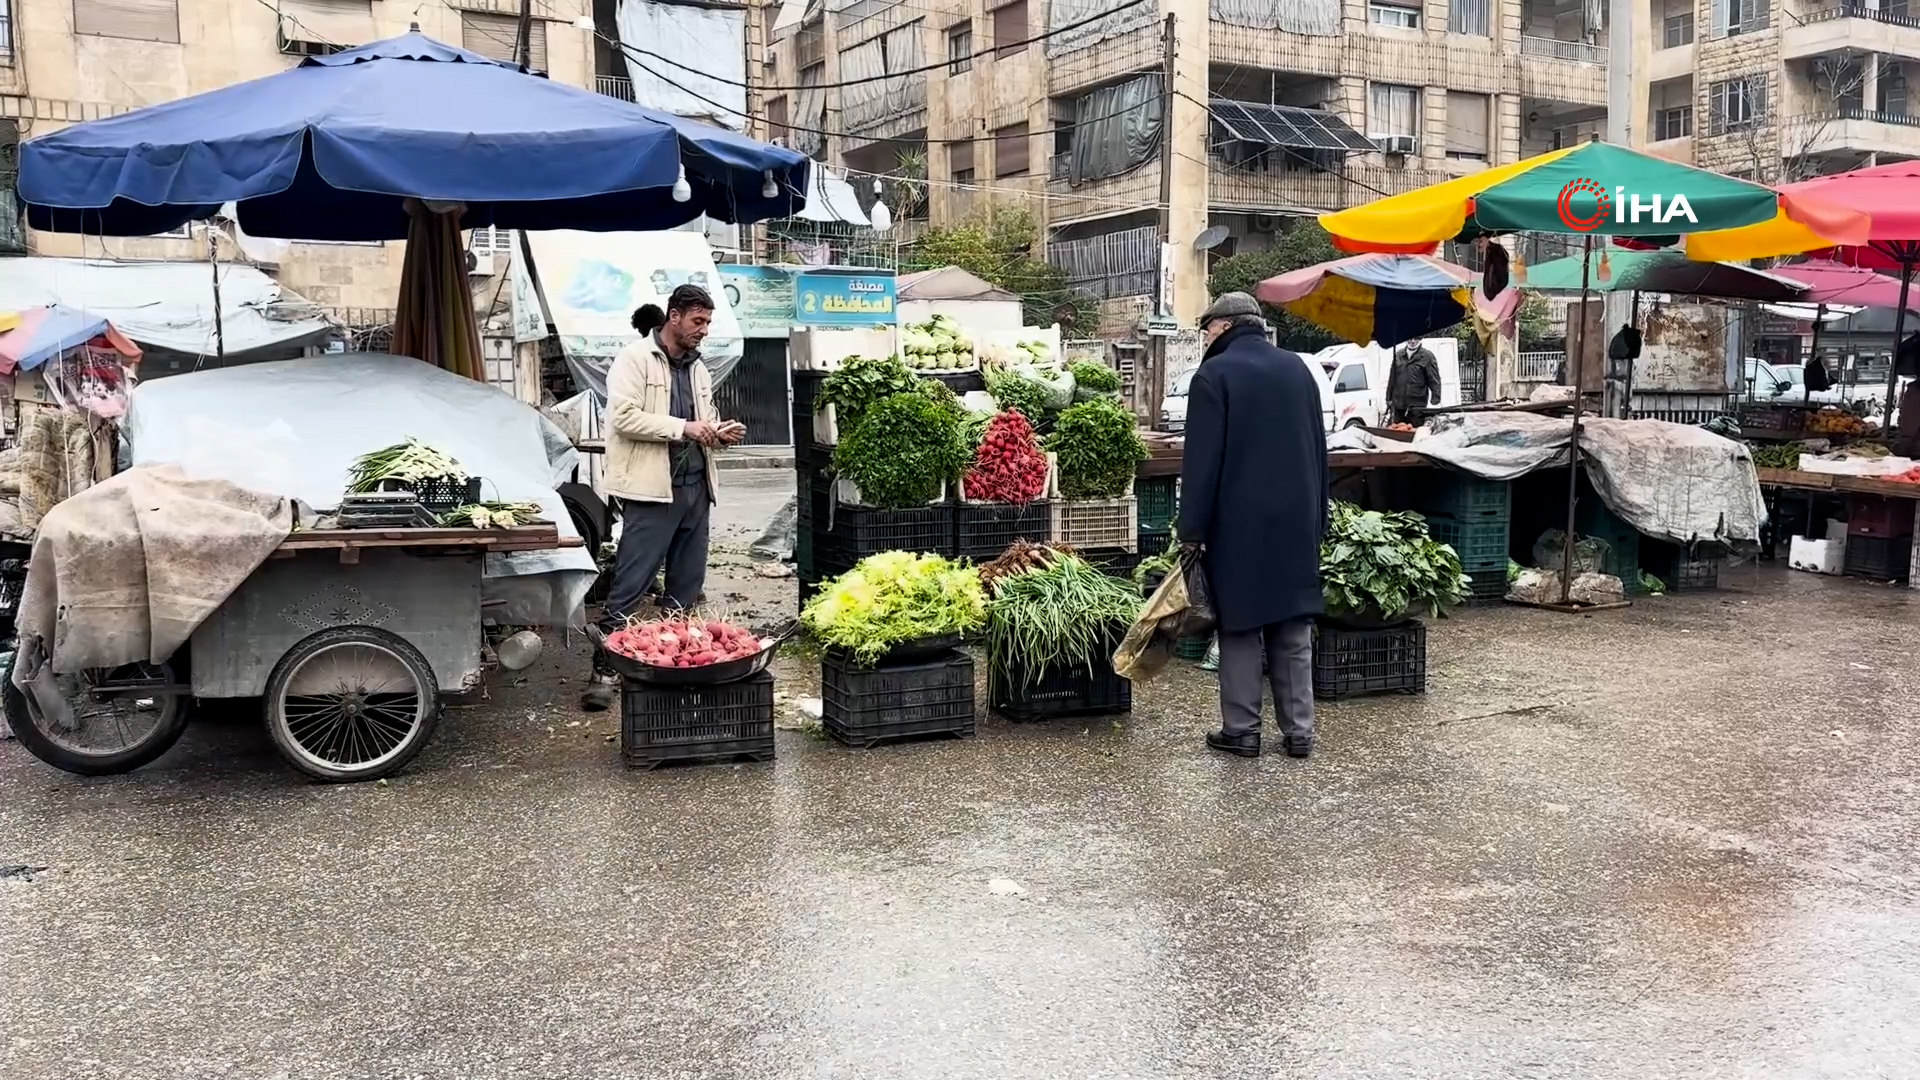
x: 1596, y: 189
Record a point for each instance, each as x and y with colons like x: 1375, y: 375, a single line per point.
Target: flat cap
x: 1229, y: 305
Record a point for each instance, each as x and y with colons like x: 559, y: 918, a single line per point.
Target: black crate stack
x: 1879, y: 537
x: 864, y: 706
x: 1086, y: 688
x: 1475, y: 518
x: 1351, y: 662
x: 725, y: 722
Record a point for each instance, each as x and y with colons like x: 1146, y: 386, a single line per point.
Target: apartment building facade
x: 66, y: 61
x: 1278, y: 108
x: 1779, y: 90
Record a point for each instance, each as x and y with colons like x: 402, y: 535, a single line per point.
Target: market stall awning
x: 335, y: 148
x: 1287, y: 126
x: 1384, y: 299
x: 1835, y: 283
x: 1888, y: 195
x: 1663, y: 271
x: 43, y: 333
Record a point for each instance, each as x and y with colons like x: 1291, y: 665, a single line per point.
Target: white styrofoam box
x: 826, y: 429
x: 1890, y: 465
x: 1837, y: 530
x: 847, y: 493
x: 1817, y: 556
x: 812, y: 348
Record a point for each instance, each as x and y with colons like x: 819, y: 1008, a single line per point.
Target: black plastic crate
x: 1085, y: 689
x: 661, y: 724
x: 1159, y: 501
x: 851, y: 533
x: 1883, y: 558
x: 1354, y: 663
x: 1878, y: 515
x: 1681, y: 570
x: 1112, y: 562
x: 1460, y: 495
x: 1488, y: 584
x: 1153, y: 543
x: 1481, y: 542
x: 864, y: 706
x: 439, y: 494
x: 983, y: 530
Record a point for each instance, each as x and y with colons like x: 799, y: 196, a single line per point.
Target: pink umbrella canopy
x: 1835, y: 283
x: 45, y: 332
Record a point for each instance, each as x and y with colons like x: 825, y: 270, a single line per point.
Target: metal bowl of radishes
x: 690, y: 651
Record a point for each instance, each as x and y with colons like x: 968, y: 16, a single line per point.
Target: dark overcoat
x: 1253, y: 483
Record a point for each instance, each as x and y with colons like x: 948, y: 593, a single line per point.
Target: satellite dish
x: 1213, y: 237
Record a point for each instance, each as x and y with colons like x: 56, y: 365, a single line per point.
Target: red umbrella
x: 1829, y: 282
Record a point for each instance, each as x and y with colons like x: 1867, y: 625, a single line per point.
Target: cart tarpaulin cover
x: 294, y: 427
x: 123, y: 571
x: 1670, y: 481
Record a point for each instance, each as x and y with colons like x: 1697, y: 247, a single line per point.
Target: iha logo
x: 1625, y: 209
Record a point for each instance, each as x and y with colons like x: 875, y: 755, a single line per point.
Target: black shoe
x: 1247, y: 745
x: 1299, y: 745
x: 600, y: 694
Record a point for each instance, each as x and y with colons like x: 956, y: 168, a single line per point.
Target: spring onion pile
x: 1054, y: 618
x: 490, y: 515
x: 409, y: 462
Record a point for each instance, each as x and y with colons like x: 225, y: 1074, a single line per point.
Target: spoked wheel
x: 351, y: 703
x: 121, y: 718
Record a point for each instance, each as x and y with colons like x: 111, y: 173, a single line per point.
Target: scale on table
x: 385, y: 510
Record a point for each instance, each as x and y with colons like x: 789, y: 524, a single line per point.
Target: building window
x: 1010, y: 29
x: 1467, y: 126
x: 6, y: 32
x: 1010, y: 148
x: 1893, y: 89
x: 1675, y: 123
x: 1402, y: 16
x: 139, y: 20
x: 1679, y: 30
x: 1732, y: 17
x: 1393, y: 111
x: 488, y: 238
x: 494, y: 37
x: 960, y: 48
x: 960, y: 162
x: 1469, y: 17
x: 777, y: 120
x: 1738, y: 104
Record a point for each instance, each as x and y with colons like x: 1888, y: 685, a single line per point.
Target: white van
x: 1357, y: 376
x: 1173, y: 409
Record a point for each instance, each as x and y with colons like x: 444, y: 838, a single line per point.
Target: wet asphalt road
x: 1673, y: 841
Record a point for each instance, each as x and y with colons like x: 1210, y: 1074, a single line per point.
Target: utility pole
x: 523, y: 35
x: 1617, y: 308
x: 1162, y: 303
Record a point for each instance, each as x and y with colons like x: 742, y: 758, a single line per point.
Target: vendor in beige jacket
x: 661, y: 433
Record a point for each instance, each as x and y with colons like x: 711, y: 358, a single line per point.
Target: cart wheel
x: 351, y: 703
x: 115, y: 728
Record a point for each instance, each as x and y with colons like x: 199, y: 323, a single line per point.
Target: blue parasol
x: 332, y: 150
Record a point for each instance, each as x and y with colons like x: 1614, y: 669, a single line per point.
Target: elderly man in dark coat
x: 1254, y: 496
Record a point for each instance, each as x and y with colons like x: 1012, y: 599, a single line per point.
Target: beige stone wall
x: 60, y: 77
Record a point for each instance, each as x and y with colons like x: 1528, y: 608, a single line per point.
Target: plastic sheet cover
x: 1062, y: 13
x: 292, y: 428
x: 712, y: 39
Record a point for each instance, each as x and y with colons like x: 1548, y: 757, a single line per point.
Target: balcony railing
x: 1862, y: 11
x: 1555, y: 49
x: 1539, y: 366
x: 1854, y: 112
x: 614, y: 86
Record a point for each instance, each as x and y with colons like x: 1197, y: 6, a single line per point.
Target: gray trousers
x: 654, y: 534
x: 1285, y: 650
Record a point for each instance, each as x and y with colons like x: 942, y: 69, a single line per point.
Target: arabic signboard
x: 762, y: 299
x: 828, y: 298
x: 594, y: 281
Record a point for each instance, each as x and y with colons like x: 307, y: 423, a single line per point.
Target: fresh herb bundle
x: 1165, y: 562
x: 1054, y: 617
x: 1093, y: 379
x: 490, y: 515
x: 892, y: 598
x: 1098, y: 449
x: 409, y: 462
x: 860, y: 382
x: 907, y: 446
x: 1374, y: 563
x: 1012, y: 392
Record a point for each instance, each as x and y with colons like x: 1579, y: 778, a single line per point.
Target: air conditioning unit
x: 1263, y: 223
x: 1396, y: 144
x: 769, y: 61
x: 480, y: 263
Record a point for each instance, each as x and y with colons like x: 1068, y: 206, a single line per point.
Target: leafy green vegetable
x: 1386, y: 564
x: 1055, y: 617
x: 1098, y: 449
x: 895, y: 597
x: 1164, y: 563
x: 1652, y: 585
x: 490, y: 515
x: 859, y: 383
x: 904, y: 449
x: 973, y: 428
x: 1013, y: 392
x: 409, y: 462
x: 1094, y: 377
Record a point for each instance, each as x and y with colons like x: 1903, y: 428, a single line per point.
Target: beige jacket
x: 640, y: 424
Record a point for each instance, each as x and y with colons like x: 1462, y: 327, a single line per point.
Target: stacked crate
x: 1593, y: 519
x: 1879, y: 537
x: 1474, y: 517
x: 922, y: 695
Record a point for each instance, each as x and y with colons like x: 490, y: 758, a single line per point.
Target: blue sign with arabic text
x: 824, y: 298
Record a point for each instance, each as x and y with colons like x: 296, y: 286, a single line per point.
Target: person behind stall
x: 1253, y: 498
x: 1906, y: 440
x: 661, y: 430
x: 1413, y: 383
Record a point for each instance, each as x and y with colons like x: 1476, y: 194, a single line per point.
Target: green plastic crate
x: 1193, y: 648
x: 1159, y: 501
x: 1480, y: 542
x: 1464, y: 496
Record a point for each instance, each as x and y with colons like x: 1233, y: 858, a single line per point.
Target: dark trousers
x: 655, y: 534
x: 1285, y: 651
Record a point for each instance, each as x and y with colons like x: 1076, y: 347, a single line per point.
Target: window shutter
x: 1010, y: 150
x: 1010, y: 25
x: 140, y: 20
x: 493, y: 37
x: 959, y: 157
x: 1466, y: 123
